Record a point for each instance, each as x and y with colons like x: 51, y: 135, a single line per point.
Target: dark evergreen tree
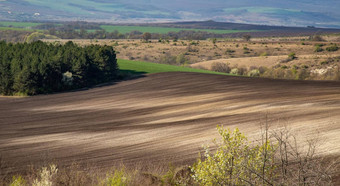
x: 43, y: 68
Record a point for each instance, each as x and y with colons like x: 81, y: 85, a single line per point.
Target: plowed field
x: 163, y: 117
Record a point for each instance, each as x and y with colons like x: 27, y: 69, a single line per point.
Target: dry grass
x: 313, y: 60
x: 205, y: 50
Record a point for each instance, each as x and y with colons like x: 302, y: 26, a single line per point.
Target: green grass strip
x: 139, y: 67
x: 18, y: 24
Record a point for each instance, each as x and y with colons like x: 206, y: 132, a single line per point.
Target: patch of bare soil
x: 162, y: 117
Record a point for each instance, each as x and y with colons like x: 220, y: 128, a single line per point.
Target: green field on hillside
x: 164, y: 30
x: 139, y: 67
x: 5, y: 25
x: 17, y: 29
x: 18, y: 24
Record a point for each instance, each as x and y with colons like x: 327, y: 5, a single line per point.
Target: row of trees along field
x: 38, y: 67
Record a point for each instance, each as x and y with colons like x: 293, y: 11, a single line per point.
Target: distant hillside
x: 288, y: 13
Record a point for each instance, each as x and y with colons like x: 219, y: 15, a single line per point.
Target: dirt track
x: 160, y: 118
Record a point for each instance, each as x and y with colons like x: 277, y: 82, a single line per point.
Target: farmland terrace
x: 162, y: 117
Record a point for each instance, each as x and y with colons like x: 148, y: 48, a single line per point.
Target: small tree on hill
x: 146, y: 36
x: 246, y: 37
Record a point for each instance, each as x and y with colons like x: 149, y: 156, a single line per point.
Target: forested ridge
x: 38, y: 67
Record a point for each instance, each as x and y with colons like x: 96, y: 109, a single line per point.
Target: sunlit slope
x: 161, y: 118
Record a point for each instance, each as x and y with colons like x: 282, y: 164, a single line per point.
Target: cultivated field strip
x: 161, y: 118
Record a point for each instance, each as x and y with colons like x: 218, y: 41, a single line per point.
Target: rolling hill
x: 161, y: 117
x: 288, y: 13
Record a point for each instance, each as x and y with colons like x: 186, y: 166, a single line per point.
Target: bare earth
x: 162, y: 117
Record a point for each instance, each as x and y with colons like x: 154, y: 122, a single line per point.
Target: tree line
x: 38, y: 67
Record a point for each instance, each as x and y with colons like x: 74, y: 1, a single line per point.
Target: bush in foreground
x: 277, y: 160
x: 236, y: 162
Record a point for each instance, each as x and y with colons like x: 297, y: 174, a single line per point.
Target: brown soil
x: 162, y: 117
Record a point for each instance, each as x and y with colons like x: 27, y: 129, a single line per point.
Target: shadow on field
x: 124, y: 75
x: 131, y: 72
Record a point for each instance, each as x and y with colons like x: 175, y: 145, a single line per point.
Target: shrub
x: 229, y: 51
x: 277, y: 160
x: 246, y: 37
x: 242, y: 70
x: 292, y: 56
x: 213, y: 40
x: 234, y: 71
x: 220, y: 67
x: 181, y: 59
x: 316, y: 38
x: 254, y: 73
x: 18, y: 181
x: 119, y: 178
x: 235, y: 162
x: 46, y: 175
x: 264, y: 54
x: 302, y: 74
x: 323, y: 62
x: 262, y: 69
x: 168, y: 59
x: 332, y: 48
x: 146, y: 36
x: 319, y: 45
x: 318, y: 49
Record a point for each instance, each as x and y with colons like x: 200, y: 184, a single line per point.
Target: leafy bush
x: 119, y: 178
x: 235, y: 162
x: 264, y: 54
x: 234, y: 71
x: 181, y: 59
x: 254, y: 73
x: 292, y: 56
x: 277, y: 160
x: 46, y: 175
x: 167, y: 58
x: 18, y: 181
x: 318, y: 49
x: 332, y: 48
